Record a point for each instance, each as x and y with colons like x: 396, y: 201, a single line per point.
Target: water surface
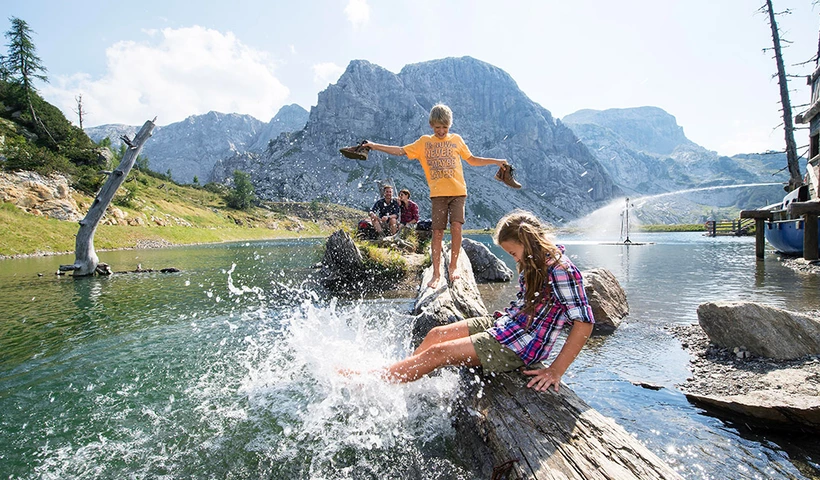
x: 228, y: 369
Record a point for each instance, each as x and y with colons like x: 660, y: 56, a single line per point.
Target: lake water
x: 228, y: 368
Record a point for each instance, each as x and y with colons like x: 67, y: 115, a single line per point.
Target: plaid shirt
x: 562, y: 300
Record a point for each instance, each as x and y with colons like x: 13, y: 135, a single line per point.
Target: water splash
x: 360, y: 426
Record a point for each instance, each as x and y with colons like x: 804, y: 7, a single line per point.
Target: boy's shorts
x: 442, y: 206
x: 494, y: 357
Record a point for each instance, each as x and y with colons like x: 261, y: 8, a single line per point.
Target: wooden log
x: 551, y: 435
x: 85, y: 258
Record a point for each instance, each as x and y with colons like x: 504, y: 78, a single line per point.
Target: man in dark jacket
x: 385, y: 212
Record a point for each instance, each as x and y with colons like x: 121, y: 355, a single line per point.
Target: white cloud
x: 180, y: 72
x: 325, y: 73
x: 358, y: 12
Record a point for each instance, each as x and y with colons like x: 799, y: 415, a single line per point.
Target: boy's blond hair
x: 441, y: 114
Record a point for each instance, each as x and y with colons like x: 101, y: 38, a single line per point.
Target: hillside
x: 50, y: 171
x: 38, y: 215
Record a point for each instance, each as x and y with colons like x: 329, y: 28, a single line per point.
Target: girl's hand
x: 543, y: 378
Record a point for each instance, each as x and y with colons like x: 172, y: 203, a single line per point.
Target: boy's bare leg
x: 435, y: 246
x: 455, y: 249
x: 454, y: 352
x: 444, y: 333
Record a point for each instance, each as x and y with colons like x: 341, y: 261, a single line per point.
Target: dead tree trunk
x: 795, y: 179
x: 85, y: 258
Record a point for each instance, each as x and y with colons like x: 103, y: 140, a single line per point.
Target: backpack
x: 424, y: 225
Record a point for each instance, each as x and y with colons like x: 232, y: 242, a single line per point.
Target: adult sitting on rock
x: 385, y: 212
x: 409, y: 210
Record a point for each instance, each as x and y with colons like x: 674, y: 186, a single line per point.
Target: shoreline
x: 149, y: 244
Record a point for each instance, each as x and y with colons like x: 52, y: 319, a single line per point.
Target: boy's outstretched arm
x: 388, y: 149
x: 481, y: 161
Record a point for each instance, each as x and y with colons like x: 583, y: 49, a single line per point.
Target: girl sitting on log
x: 551, y: 295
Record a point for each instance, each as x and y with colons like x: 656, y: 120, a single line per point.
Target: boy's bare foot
x: 452, y: 271
x: 433, y: 283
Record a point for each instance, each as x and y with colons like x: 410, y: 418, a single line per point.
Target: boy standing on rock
x: 440, y: 156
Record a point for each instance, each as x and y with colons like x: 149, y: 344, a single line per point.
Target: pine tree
x: 242, y: 196
x: 22, y: 62
x: 23, y: 66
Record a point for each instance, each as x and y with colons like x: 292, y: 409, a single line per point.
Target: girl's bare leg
x: 453, y: 352
x: 444, y: 333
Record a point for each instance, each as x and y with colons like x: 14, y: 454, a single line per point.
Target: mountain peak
x: 647, y: 129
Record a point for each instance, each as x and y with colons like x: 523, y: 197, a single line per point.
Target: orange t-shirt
x: 441, y: 160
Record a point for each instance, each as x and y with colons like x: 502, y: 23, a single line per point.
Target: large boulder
x: 486, y: 266
x: 450, y: 301
x: 342, y: 264
x: 607, y: 299
x: 761, y: 330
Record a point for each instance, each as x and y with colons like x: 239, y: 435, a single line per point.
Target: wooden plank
x: 762, y: 214
x: 797, y: 209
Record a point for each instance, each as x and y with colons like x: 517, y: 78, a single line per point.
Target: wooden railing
x: 744, y: 226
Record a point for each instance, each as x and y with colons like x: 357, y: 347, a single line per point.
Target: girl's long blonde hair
x: 540, y: 251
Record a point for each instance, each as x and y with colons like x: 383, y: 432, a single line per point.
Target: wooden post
x: 760, y: 237
x: 810, y: 237
x: 760, y: 217
x: 809, y: 212
x: 85, y: 258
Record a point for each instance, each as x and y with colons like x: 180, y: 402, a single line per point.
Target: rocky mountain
x: 190, y: 148
x: 561, y: 178
x: 649, y: 157
x: 290, y: 118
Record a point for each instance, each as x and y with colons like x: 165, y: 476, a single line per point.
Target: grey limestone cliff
x: 561, y: 178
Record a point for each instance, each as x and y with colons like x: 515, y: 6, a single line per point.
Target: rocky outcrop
x: 758, y: 391
x: 607, y: 299
x: 493, y: 115
x: 342, y: 263
x: 289, y: 118
x: 39, y: 195
x: 761, y: 330
x: 486, y: 266
x: 451, y: 301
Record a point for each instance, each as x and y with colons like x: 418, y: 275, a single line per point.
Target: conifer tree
x: 22, y: 65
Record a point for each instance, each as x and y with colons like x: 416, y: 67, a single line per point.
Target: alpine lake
x: 228, y: 369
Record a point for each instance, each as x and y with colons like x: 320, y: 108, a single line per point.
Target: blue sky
x: 700, y: 60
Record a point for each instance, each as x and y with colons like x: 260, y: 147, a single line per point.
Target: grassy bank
x: 170, y: 214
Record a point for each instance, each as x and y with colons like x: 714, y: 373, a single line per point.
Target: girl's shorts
x: 494, y: 357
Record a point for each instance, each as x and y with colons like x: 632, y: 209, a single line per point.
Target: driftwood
x: 552, y: 435
x: 510, y: 431
x: 86, y: 261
